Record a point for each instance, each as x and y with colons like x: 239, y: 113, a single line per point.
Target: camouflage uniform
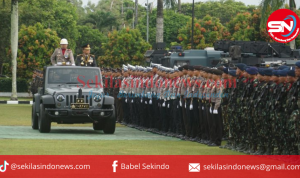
x: 258, y: 99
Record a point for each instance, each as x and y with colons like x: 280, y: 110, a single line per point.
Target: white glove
x: 131, y: 101
x: 184, y: 105
x: 150, y: 102
x: 125, y: 100
x: 210, y: 110
x: 180, y: 103
x: 168, y: 105
x: 202, y: 107
x: 141, y: 100
x: 145, y: 102
x: 163, y: 105
x: 215, y: 111
x: 73, y: 64
x: 191, y: 106
x: 149, y: 95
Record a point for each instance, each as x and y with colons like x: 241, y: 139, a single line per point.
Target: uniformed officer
x: 124, y: 91
x: 182, y: 92
x: 62, y: 55
x: 86, y: 59
x: 216, y: 98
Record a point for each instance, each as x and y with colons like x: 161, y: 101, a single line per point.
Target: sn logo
x: 278, y: 26
x: 3, y: 167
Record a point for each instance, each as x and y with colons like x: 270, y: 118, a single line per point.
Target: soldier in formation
x: 256, y: 109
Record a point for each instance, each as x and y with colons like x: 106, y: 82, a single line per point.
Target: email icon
x: 194, y: 167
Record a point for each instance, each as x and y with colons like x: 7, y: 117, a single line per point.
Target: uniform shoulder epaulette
x: 69, y: 50
x: 79, y: 55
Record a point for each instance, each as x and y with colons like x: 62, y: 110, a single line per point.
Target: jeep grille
x: 72, y: 99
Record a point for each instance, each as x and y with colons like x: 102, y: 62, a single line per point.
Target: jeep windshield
x: 76, y: 76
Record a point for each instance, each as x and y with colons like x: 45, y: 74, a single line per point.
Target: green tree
x: 58, y: 15
x: 246, y: 27
x: 213, y: 30
x: 225, y: 10
x: 206, y: 32
x: 101, y: 20
x: 170, y: 4
x: 36, y: 45
x: 124, y: 46
x: 90, y: 36
x: 185, y: 36
x: 172, y: 23
x: 269, y: 6
x: 5, y: 33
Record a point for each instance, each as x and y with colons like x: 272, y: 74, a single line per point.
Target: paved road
x: 78, y: 133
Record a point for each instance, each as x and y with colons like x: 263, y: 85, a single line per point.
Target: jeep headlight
x: 60, y: 98
x: 97, y: 98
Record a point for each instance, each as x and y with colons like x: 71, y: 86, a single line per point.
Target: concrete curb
x: 16, y: 102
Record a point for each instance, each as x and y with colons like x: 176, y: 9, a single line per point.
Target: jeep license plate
x: 80, y: 106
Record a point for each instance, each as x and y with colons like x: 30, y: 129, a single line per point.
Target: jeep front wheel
x: 34, y: 118
x: 98, y: 126
x: 110, y: 124
x: 44, y: 122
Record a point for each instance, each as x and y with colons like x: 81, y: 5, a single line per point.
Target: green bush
x: 6, y: 85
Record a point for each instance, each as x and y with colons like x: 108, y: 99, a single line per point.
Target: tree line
x: 108, y: 28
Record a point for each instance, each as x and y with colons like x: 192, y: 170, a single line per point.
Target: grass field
x: 20, y: 115
x: 19, y: 98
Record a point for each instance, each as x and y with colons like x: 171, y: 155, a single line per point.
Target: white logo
x: 194, y: 167
x: 114, y: 165
x: 279, y: 26
x: 3, y: 167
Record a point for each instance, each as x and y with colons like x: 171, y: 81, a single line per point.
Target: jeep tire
x: 44, y: 122
x: 98, y: 126
x: 34, y: 118
x: 110, y: 124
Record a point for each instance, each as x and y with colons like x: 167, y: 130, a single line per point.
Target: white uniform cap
x: 63, y: 41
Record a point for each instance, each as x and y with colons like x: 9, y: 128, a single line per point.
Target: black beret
x: 291, y: 72
x: 225, y: 70
x: 241, y: 66
x: 232, y: 73
x: 268, y: 72
x: 86, y: 46
x: 282, y: 73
